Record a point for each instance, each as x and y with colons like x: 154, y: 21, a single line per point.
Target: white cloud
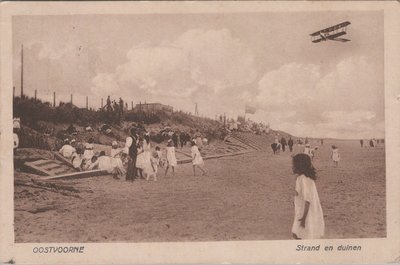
x: 197, y: 60
x: 345, y: 102
x: 217, y: 60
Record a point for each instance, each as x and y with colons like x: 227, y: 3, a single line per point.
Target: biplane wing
x: 331, y: 33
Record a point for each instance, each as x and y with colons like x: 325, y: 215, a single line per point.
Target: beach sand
x: 246, y: 197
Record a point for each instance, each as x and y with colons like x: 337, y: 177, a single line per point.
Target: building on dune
x: 153, y: 107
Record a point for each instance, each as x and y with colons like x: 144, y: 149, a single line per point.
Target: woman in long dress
x: 197, y: 159
x: 147, y: 168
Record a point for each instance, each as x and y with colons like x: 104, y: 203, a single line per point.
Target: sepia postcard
x: 232, y: 132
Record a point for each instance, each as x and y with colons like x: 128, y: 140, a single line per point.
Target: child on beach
x: 154, y: 160
x: 140, y: 160
x: 171, y: 158
x: 308, y: 218
x: 308, y: 151
x: 335, y: 156
x: 197, y: 160
x: 88, y: 153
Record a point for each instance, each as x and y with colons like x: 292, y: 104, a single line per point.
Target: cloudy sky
x: 222, y: 62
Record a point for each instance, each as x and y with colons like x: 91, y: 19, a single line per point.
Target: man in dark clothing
x: 362, y: 143
x: 175, y: 139
x: 283, y: 143
x: 131, y: 172
x: 290, y: 144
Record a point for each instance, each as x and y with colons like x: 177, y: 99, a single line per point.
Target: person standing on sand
x: 283, y: 143
x: 140, y: 159
x: 290, y: 144
x: 362, y: 143
x: 132, y: 152
x: 147, y: 167
x: 171, y: 158
x: 308, y: 216
x: 335, y: 156
x: 197, y: 160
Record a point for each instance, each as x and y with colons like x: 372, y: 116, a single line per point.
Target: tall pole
x: 35, y: 94
x: 22, y: 70
x: 224, y: 120
x: 54, y: 99
x: 13, y: 92
x: 71, y: 99
x: 87, y: 102
x: 101, y: 102
x: 132, y: 104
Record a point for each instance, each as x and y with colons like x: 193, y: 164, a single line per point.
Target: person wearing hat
x: 131, y: 145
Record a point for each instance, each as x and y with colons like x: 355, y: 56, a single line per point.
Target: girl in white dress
x: 88, y: 153
x: 308, y: 217
x: 335, y: 156
x: 197, y: 160
x: 171, y: 158
x: 147, y: 168
x: 140, y: 160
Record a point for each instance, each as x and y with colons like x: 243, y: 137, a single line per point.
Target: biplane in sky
x: 331, y: 33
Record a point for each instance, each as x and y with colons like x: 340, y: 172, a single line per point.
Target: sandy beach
x: 245, y: 197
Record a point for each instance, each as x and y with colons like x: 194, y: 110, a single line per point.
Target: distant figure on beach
x: 335, y: 156
x: 362, y: 143
x: 308, y: 218
x: 274, y: 147
x: 197, y: 159
x: 290, y: 144
x: 308, y: 151
x: 322, y: 141
x: 171, y: 158
x: 283, y: 143
x: 371, y: 143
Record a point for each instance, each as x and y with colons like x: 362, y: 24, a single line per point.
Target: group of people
x: 135, y: 160
x: 371, y: 142
x: 142, y: 163
x: 279, y: 145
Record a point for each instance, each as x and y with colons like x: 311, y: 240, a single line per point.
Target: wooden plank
x: 56, y: 166
x: 42, y: 162
x: 80, y: 174
x: 36, y: 169
x: 64, y: 160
